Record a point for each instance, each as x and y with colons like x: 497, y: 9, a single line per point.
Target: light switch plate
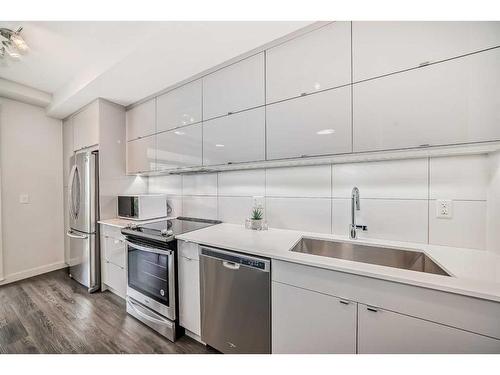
x: 24, y: 198
x: 444, y: 209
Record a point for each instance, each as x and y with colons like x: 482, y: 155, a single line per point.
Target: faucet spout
x: 355, y: 206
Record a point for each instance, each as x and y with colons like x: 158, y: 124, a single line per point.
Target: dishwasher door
x: 235, y: 301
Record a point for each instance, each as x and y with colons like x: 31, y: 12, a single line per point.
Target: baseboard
x: 32, y: 272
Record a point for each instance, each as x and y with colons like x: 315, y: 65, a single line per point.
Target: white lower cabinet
x: 309, y: 322
x: 386, y: 332
x: 114, y: 259
x: 189, y: 287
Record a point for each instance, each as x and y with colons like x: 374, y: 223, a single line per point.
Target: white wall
x: 398, y: 198
x: 494, y: 203
x: 31, y: 154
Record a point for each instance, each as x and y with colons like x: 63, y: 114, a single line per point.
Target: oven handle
x: 149, y: 249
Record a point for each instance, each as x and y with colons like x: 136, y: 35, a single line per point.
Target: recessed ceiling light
x: 178, y: 132
x: 219, y: 145
x: 325, y: 131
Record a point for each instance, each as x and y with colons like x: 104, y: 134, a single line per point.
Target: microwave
x: 142, y: 207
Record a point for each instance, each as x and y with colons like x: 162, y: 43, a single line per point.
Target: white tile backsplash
x: 199, y: 184
x: 242, y: 183
x: 170, y: 185
x: 234, y: 209
x: 395, y: 197
x: 310, y: 181
x: 403, y: 179
x: 459, y: 177
x: 390, y: 219
x: 466, y: 228
x: 307, y: 214
x: 199, y: 206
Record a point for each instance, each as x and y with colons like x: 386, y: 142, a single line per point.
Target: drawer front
x: 446, y: 308
x: 116, y: 278
x: 386, y: 332
x: 188, y: 250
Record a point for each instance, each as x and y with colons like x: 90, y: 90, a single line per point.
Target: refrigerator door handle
x: 73, y: 235
x: 70, y: 192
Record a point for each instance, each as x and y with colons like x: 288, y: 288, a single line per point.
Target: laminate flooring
x: 51, y: 313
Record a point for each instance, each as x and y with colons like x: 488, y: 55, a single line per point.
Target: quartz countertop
x: 123, y: 223
x: 474, y: 273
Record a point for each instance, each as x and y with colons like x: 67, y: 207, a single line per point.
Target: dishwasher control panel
x: 237, y: 258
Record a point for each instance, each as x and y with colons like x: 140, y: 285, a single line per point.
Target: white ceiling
x: 126, y: 61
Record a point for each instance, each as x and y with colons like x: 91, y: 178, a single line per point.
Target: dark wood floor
x: 53, y: 314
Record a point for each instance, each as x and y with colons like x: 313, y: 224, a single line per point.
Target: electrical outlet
x: 444, y: 209
x: 24, y: 198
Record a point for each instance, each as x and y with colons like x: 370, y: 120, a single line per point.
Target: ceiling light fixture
x: 13, y: 44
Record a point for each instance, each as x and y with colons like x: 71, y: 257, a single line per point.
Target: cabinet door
x: 86, y: 127
x: 308, y: 322
x: 114, y: 251
x: 179, y: 148
x: 381, y: 331
x: 315, y: 61
x: 115, y: 277
x: 234, y: 88
x: 447, y: 103
x: 141, y: 120
x: 179, y: 107
x: 316, y: 124
x: 386, y: 47
x: 189, y: 290
x: 67, y: 148
x: 141, y: 155
x: 236, y: 138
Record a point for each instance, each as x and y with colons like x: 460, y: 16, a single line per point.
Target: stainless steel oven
x: 151, y: 289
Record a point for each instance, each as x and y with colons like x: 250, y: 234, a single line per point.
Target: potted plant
x: 256, y: 218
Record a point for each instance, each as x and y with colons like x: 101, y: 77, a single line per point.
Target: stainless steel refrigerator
x: 83, y: 206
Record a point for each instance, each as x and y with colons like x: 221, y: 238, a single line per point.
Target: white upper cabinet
x: 318, y: 60
x: 447, y: 103
x: 234, y: 88
x: 236, y: 138
x: 141, y: 120
x: 179, y: 107
x: 387, y: 332
x: 141, y: 155
x: 86, y: 127
x: 179, y: 148
x: 308, y: 322
x: 386, y: 47
x: 317, y: 124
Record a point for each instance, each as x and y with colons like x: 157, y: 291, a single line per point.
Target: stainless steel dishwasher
x: 235, y: 301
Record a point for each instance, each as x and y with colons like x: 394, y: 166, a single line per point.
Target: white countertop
x: 123, y: 223
x: 474, y: 273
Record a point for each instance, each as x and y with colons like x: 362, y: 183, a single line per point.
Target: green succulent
x: 257, y: 214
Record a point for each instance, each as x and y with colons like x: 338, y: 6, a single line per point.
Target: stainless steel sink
x: 383, y: 256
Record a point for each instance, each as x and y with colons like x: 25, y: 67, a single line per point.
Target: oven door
x: 151, y: 277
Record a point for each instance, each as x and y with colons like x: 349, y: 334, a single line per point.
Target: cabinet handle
x: 425, y: 63
x: 344, y: 302
x: 372, y: 309
x: 230, y: 113
x: 303, y: 93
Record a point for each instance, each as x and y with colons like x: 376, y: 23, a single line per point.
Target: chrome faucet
x: 355, y: 206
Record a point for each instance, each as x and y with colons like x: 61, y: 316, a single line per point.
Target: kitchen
x: 326, y: 187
